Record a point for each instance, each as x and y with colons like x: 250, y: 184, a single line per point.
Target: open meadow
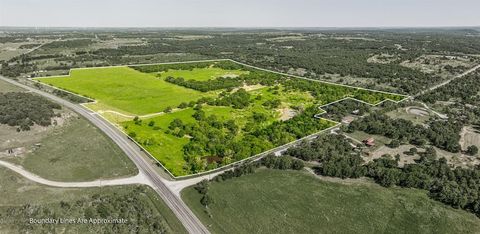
x: 276, y: 201
x: 198, y: 116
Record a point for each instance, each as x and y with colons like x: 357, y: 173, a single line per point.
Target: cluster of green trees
x: 211, y: 137
x: 282, y: 162
x: 25, y: 109
x: 205, y: 86
x: 74, y: 43
x: 16, y: 69
x: 338, y: 110
x: 337, y: 156
x: 334, y: 152
x: 165, y: 67
x: 444, y: 134
x: 272, y: 103
x: 463, y: 97
x: 135, y: 206
x: 239, y: 99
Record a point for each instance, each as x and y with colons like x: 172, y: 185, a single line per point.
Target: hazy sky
x: 239, y: 13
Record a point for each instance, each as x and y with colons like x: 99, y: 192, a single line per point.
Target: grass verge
x: 274, y: 201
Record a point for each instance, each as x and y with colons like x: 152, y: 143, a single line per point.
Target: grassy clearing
x: 272, y: 201
x: 7, y: 87
x: 402, y: 113
x: 124, y: 89
x: 76, y: 151
x: 201, y: 74
x: 18, y: 193
x: 164, y: 147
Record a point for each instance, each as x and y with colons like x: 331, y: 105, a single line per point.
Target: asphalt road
x: 179, y: 208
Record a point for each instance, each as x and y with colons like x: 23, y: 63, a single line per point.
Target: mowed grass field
x: 124, y: 89
x: 274, y: 201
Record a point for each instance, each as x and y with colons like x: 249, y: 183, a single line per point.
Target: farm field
x: 71, y: 150
x: 275, y: 201
x: 124, y: 90
x: 198, y: 116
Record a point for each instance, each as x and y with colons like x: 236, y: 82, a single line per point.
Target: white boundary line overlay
x: 253, y: 157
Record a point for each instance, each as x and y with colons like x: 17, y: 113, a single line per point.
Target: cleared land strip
x: 140, y: 178
x: 133, y: 116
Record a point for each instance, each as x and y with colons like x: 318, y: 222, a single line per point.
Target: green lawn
x: 274, y: 201
x: 77, y: 151
x: 23, y: 199
x: 124, y: 89
x: 201, y: 74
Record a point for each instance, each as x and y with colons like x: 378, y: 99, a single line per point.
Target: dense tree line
x: 282, y: 162
x: 166, y: 67
x: 337, y: 156
x: 334, y: 152
x: 25, y: 109
x: 75, y: 43
x: 205, y: 86
x: 465, y: 90
x: 444, y: 134
x: 323, y: 91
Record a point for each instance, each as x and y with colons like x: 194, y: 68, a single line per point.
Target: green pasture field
x: 122, y: 93
x: 275, y: 201
x: 124, y: 89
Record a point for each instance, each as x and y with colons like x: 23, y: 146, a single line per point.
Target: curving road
x: 179, y: 208
x: 138, y: 179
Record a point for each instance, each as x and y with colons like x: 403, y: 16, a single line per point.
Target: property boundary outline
x: 233, y: 164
